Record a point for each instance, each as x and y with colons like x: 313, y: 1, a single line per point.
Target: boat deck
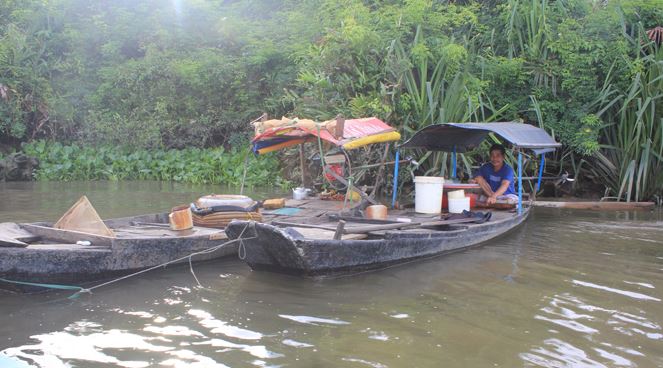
x: 320, y: 213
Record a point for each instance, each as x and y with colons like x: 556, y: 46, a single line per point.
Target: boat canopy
x: 273, y: 135
x: 462, y: 137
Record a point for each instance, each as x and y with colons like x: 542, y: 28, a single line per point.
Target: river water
x: 567, y: 289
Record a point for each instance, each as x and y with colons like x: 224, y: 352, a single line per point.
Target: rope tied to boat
x: 38, y: 284
x: 241, y: 249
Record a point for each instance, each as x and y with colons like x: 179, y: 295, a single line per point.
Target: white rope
x: 241, y: 250
x: 189, y: 257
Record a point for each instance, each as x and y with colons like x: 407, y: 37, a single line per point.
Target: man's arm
x: 506, y: 182
x: 484, y: 186
x: 503, y: 187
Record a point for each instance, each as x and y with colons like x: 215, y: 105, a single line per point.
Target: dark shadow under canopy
x: 463, y: 137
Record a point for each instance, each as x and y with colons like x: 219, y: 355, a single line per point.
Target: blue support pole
x: 395, y: 188
x: 453, y: 160
x: 543, y: 162
x: 520, y: 182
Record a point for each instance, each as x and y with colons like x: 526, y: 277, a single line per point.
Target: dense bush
x: 158, y: 74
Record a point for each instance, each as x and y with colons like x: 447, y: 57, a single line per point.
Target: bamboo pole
x: 599, y: 206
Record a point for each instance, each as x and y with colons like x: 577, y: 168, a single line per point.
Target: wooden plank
x: 11, y: 243
x: 69, y: 247
x: 12, y: 230
x: 67, y: 236
x: 325, y: 234
x: 362, y: 220
x: 371, y: 228
x: 339, y: 230
x: 598, y: 206
x: 307, y: 226
x: 335, y: 159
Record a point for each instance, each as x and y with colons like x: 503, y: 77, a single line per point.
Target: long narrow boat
x: 306, y: 245
x: 55, y: 256
x: 319, y: 244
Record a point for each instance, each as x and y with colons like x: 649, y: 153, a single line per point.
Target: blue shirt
x: 495, y: 178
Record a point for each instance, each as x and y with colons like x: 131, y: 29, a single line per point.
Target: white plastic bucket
x: 428, y: 194
x: 456, y: 194
x: 459, y: 205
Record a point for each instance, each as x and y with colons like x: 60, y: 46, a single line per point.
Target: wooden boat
x: 315, y: 244
x: 304, y: 245
x: 40, y: 253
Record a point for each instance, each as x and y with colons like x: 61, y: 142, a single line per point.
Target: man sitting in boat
x: 496, y: 179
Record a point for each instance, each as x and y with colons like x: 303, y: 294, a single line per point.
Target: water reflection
x: 570, y: 289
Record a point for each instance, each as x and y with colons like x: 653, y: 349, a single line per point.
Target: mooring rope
x: 189, y: 257
x: 241, y: 249
x: 49, y: 286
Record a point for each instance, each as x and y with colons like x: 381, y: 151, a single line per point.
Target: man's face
x: 496, y: 158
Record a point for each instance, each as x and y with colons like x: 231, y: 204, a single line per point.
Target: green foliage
x: 631, y: 161
x: 191, y: 165
x: 25, y: 91
x: 157, y: 74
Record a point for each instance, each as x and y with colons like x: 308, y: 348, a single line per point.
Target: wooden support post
x: 378, y: 179
x: 302, y: 165
x: 340, y: 126
x: 339, y: 230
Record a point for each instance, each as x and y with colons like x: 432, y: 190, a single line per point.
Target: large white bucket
x: 458, y: 205
x: 428, y: 194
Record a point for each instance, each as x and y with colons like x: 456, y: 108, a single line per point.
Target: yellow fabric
x: 353, y: 195
x: 262, y: 126
x: 375, y: 138
x: 279, y: 146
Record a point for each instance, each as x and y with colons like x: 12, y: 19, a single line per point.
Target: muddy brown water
x: 567, y: 289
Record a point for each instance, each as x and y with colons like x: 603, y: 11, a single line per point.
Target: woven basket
x: 220, y: 220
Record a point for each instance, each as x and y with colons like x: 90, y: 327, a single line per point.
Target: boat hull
x: 267, y: 247
x: 65, y: 262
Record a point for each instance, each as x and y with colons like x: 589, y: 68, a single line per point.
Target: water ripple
x: 258, y: 351
x: 57, y: 347
x: 313, y: 320
x: 558, y: 353
x: 217, y: 326
x: 617, y: 291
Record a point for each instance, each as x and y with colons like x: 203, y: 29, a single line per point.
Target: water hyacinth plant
x: 192, y: 165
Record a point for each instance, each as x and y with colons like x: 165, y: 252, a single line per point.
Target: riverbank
x: 58, y: 162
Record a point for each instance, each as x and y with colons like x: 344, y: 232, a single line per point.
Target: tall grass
x: 631, y: 159
x: 528, y: 34
x: 437, y: 91
x: 442, y: 92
